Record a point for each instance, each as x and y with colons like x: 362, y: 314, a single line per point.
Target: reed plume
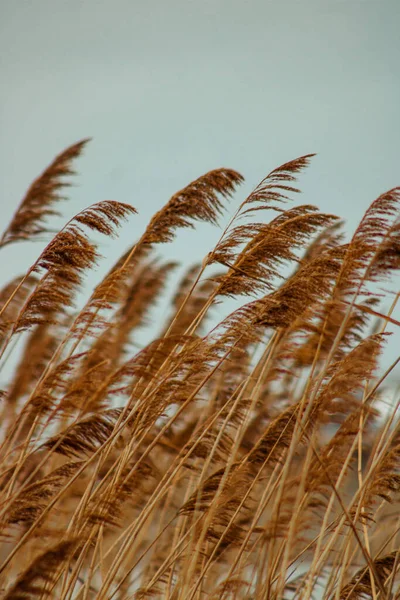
x: 159, y: 445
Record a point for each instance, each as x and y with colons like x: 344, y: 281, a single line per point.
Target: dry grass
x: 245, y: 461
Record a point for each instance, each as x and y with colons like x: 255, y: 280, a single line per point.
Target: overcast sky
x: 169, y: 89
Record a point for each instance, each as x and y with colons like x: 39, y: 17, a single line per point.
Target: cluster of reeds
x: 246, y: 460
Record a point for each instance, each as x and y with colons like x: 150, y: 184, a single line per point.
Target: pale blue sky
x: 172, y: 88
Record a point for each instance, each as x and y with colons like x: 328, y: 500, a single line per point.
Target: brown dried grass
x: 245, y: 461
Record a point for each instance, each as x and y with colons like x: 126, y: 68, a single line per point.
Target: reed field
x: 258, y: 458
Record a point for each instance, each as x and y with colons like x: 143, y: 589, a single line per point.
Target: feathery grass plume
x: 313, y: 281
x: 114, y: 286
x: 371, y: 256
x: 30, y: 504
x: 185, y: 285
x: 212, y: 439
x: 346, y: 378
x: 39, y: 578
x: 83, y: 392
x: 268, y: 194
x: 270, y: 247
x: 331, y: 236
x: 145, y: 364
x: 360, y: 586
x: 51, y: 390
x: 12, y: 298
x: 276, y: 184
x: 39, y: 348
x: 231, y: 588
x: 142, y: 295
x: 386, y: 259
x: 383, y: 479
x: 275, y: 441
x: 38, y: 203
x: 303, y: 341
x: 43, y: 395
x: 335, y: 459
x: 108, y: 295
x: 191, y: 297
x: 135, y: 298
x: 61, y: 265
x: 178, y: 381
x: 229, y: 379
x: 308, y: 286
x: 137, y: 292
x: 266, y: 246
x: 65, y: 259
x: 373, y: 231
x: 198, y: 201
x: 85, y: 436
x: 234, y: 489
x: 250, y: 458
x: 126, y: 488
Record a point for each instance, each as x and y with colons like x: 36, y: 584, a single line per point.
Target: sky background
x: 170, y: 89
